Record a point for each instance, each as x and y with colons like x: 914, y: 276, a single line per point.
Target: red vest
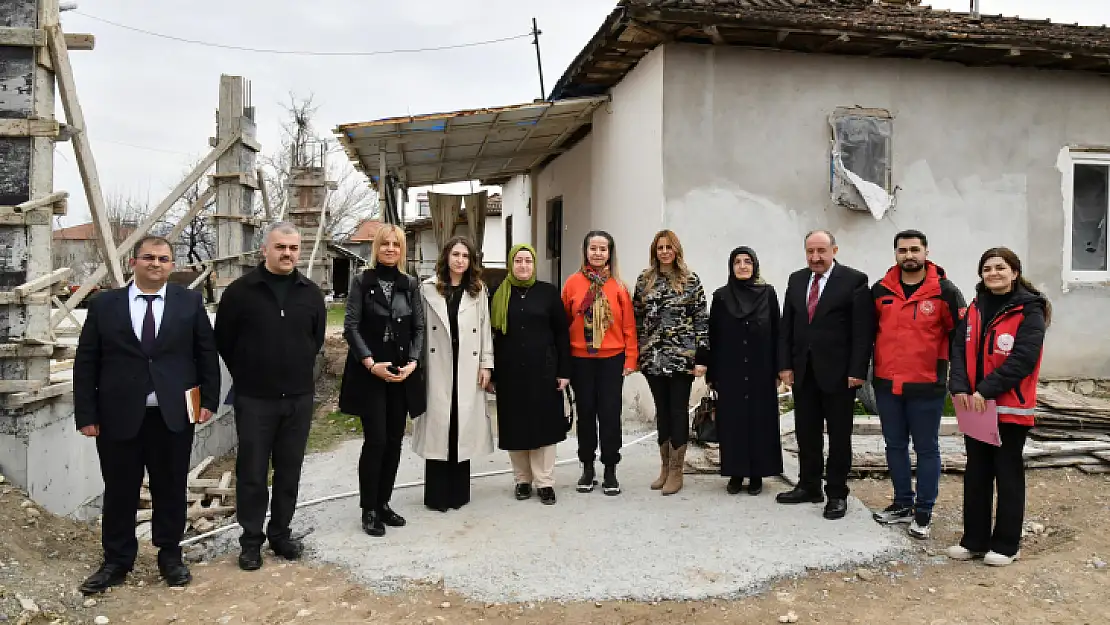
x: 911, y: 344
x: 1017, y: 404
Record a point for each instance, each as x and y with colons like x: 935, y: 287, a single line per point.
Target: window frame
x: 1081, y: 156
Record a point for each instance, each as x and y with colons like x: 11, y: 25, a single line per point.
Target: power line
x: 303, y: 52
x: 143, y: 147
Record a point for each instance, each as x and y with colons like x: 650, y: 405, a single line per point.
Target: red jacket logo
x: 1005, y: 343
x: 928, y: 307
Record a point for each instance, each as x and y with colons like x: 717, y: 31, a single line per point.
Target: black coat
x: 839, y: 340
x: 270, y: 349
x: 364, y: 324
x: 111, y: 371
x: 530, y: 358
x: 742, y: 366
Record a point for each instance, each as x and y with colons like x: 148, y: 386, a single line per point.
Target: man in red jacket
x: 917, y: 310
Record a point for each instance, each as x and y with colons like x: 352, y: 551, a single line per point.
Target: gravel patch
x: 698, y: 544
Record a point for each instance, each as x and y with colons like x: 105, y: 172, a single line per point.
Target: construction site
x: 538, y: 172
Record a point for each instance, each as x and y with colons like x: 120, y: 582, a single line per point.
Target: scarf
x: 499, y: 312
x: 595, y: 310
x: 745, y: 297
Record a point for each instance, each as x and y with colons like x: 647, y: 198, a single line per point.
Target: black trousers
x: 597, y: 384
x: 383, y: 430
x: 165, y: 455
x: 815, y: 411
x: 277, y: 430
x: 987, y: 466
x: 672, y: 406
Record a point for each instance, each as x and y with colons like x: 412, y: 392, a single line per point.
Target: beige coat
x: 430, y: 432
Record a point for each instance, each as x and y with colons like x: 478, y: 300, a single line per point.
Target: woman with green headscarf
x: 531, y: 346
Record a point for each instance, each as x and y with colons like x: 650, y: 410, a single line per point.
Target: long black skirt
x: 447, y: 482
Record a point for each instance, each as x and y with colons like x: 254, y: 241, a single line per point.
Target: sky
x: 150, y: 102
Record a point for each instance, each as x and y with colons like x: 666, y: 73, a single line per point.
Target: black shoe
x: 105, y: 577
x: 175, y: 573
x: 588, y: 480
x: 523, y: 491
x: 250, y: 558
x: 799, y: 495
x: 755, y: 486
x: 836, y: 508
x: 735, y: 485
x: 391, y: 518
x: 372, y: 523
x: 894, y: 513
x: 547, y: 496
x: 288, y: 548
x: 609, y: 484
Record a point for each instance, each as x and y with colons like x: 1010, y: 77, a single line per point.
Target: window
x: 1087, y: 206
x: 861, y: 158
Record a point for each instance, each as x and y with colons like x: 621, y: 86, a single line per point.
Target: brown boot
x: 676, y: 463
x: 664, y: 456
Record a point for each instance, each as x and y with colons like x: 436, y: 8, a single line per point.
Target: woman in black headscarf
x: 743, y: 370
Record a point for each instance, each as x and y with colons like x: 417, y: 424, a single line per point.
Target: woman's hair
x: 472, y: 278
x: 612, y: 251
x: 1011, y: 259
x: 379, y: 238
x: 678, y: 276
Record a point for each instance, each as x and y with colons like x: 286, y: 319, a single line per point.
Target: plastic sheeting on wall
x: 861, y: 160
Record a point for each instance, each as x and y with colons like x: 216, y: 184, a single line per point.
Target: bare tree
x: 350, y: 203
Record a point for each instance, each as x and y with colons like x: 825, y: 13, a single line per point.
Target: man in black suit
x: 141, y: 348
x: 827, y: 334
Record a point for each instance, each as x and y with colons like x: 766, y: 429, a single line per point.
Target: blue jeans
x: 918, y: 418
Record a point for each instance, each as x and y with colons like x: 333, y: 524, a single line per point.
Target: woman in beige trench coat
x: 458, y: 357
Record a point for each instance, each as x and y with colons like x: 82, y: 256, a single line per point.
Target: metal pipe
x: 975, y: 9
x: 536, y: 32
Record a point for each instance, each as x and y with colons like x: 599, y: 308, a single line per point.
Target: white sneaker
x: 957, y: 552
x: 997, y: 559
x: 920, y: 532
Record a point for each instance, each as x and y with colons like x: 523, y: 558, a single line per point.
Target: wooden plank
x: 201, y: 466
x: 80, y: 41
x: 21, y: 386
x: 197, y: 512
x: 197, y: 206
x: 15, y: 350
x: 203, y: 275
x: 65, y: 352
x: 47, y: 392
x: 69, y: 315
x: 43, y: 282
x: 265, y: 196
x: 86, y: 164
x: 8, y: 298
x: 29, y: 127
x: 41, y: 202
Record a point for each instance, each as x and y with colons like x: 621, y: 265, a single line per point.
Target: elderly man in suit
x: 826, y: 339
x: 141, y: 349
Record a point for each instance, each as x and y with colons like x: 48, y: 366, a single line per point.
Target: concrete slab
x: 699, y: 543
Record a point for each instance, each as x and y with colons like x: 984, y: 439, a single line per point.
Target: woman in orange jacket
x: 603, y: 350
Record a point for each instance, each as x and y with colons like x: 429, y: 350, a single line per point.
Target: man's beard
x: 911, y: 266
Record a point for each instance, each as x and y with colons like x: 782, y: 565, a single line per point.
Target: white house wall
x: 516, y: 202
x: 613, y: 179
x: 745, y: 153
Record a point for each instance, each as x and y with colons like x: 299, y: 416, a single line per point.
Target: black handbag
x: 570, y: 408
x: 704, y: 429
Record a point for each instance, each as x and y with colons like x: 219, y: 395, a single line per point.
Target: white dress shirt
x: 138, y: 313
x: 824, y: 278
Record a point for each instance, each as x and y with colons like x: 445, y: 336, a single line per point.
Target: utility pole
x: 536, y: 32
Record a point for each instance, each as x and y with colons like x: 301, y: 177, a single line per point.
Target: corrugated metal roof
x: 491, y: 144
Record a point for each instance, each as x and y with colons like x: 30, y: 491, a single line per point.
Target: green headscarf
x: 499, y: 313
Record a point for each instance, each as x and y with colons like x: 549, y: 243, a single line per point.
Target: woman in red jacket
x: 603, y: 350
x: 1001, y: 360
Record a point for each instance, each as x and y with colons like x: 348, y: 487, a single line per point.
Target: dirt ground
x: 1062, y: 578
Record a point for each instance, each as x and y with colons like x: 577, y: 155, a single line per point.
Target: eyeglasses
x: 150, y: 258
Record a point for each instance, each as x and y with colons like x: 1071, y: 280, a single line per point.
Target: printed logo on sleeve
x: 1005, y: 343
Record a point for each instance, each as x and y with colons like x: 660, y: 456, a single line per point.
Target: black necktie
x: 148, y: 334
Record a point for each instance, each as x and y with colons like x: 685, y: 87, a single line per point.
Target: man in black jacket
x: 269, y: 329
x: 827, y: 334
x: 141, y: 348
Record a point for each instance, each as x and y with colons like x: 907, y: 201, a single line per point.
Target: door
x: 555, y: 239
